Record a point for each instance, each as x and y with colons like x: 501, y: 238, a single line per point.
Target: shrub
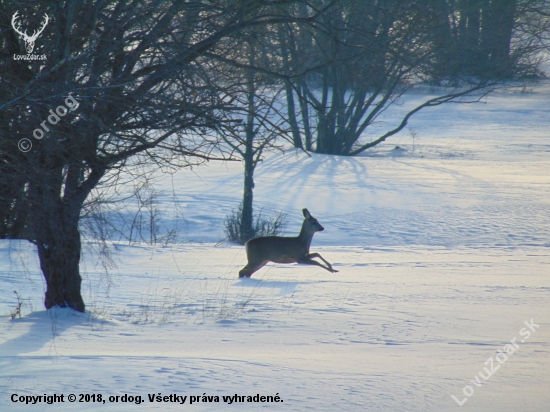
x: 260, y: 226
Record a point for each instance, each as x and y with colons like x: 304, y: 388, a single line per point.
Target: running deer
x: 279, y: 249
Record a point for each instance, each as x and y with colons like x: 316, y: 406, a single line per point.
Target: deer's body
x: 279, y: 249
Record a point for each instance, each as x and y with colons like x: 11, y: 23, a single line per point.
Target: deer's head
x: 311, y: 223
x: 29, y: 40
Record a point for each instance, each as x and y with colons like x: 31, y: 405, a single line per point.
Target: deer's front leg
x: 317, y: 255
x: 307, y: 261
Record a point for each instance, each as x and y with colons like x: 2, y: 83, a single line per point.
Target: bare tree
x: 487, y: 36
x: 374, y: 51
x: 139, y: 71
x: 258, y: 121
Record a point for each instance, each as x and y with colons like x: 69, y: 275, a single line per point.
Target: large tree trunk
x: 498, y: 25
x: 443, y: 36
x: 469, y: 35
x: 56, y: 196
x: 59, y: 253
x: 485, y: 31
x: 55, y: 229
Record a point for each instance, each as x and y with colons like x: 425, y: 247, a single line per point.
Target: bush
x: 260, y: 226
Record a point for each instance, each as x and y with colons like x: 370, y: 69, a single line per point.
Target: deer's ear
x: 306, y: 213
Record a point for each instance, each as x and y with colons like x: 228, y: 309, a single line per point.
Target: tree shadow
x: 43, y: 328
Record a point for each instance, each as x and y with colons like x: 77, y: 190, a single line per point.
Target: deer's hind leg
x: 250, y: 268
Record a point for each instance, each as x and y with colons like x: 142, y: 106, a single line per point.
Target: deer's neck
x: 305, y: 236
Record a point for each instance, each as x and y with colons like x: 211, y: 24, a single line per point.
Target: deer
x: 281, y: 249
x: 29, y: 40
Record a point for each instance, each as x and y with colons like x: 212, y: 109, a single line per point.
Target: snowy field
x: 443, y: 253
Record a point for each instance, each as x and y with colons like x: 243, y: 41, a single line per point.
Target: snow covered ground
x: 443, y: 252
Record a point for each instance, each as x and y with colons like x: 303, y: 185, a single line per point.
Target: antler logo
x: 29, y: 40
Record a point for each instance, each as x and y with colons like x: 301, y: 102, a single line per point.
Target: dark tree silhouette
x: 142, y: 73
